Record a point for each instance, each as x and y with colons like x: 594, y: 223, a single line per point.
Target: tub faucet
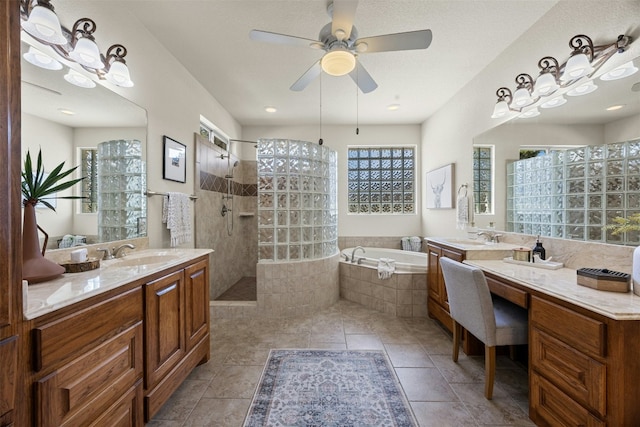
x: 353, y: 253
x: 120, y: 248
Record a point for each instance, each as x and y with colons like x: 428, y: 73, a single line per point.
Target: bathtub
x: 406, y: 261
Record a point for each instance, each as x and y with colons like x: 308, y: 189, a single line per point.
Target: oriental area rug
x: 329, y: 388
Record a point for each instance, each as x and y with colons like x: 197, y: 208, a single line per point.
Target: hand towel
x: 462, y: 212
x: 176, y: 214
x: 386, y: 267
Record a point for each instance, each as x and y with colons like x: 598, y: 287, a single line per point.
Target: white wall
x: 448, y: 135
x: 623, y: 130
x: 341, y: 137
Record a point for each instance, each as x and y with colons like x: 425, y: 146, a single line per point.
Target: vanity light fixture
x: 79, y: 79
x: 572, y: 78
x: 41, y: 59
x: 78, y: 45
x: 534, y: 112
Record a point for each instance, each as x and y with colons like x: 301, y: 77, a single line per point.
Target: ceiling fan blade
x: 266, y: 36
x: 400, y: 41
x: 343, y: 14
x: 307, y: 77
x: 363, y: 79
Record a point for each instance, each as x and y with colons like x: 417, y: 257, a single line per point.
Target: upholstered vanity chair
x: 494, y: 322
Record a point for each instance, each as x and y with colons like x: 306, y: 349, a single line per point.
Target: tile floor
x: 441, y: 393
x: 244, y: 289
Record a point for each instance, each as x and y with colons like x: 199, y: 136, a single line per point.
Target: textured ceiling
x: 211, y: 39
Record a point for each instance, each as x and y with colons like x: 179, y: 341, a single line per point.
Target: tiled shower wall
x: 235, y: 255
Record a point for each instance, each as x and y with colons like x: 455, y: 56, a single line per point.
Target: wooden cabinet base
x: 155, y: 398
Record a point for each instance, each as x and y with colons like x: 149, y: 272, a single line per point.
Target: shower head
x: 235, y: 163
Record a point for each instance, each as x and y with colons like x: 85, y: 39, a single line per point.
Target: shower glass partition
x: 297, y: 201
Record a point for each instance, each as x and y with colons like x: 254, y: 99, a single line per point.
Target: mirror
x: 582, y: 121
x: 65, y: 121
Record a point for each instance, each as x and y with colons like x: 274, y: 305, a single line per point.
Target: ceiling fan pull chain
x: 357, y: 104
x: 320, y: 141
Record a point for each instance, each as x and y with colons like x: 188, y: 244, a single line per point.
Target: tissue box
x: 604, y: 279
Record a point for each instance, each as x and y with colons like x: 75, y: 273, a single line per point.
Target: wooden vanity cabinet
x: 88, y: 364
x: 437, y: 301
x: 584, y: 367
x: 176, y: 331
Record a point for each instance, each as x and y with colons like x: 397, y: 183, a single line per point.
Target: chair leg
x: 457, y: 332
x: 490, y: 370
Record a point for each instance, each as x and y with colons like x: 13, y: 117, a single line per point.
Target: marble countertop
x: 562, y: 284
x: 69, y: 288
x: 476, y: 249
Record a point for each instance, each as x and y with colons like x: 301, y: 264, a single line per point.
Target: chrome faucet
x: 353, y: 253
x: 120, y: 248
x: 107, y: 253
x: 491, y: 236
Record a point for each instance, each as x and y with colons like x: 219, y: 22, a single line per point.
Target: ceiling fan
x: 339, y: 39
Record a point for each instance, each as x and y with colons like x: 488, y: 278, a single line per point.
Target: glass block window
x: 381, y: 180
x: 483, y: 179
x: 88, y: 169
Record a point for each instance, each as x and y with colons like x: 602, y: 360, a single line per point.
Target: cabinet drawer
x: 454, y: 255
x: 80, y: 391
x: 60, y: 340
x: 126, y: 412
x: 516, y: 296
x: 578, y: 375
x: 580, y: 332
x: 549, y: 406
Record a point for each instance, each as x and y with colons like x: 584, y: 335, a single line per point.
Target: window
x: 88, y: 169
x: 483, y: 179
x: 209, y: 131
x: 381, y: 180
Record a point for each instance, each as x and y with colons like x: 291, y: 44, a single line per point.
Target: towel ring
x: 465, y: 190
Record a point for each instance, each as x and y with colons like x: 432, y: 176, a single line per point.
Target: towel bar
x: 149, y: 193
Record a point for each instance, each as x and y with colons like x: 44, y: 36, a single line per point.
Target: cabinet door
x: 433, y: 274
x: 196, y: 278
x: 164, y: 326
x: 456, y: 256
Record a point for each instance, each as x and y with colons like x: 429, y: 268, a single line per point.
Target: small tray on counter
x: 548, y: 265
x: 604, y: 279
x: 80, y: 267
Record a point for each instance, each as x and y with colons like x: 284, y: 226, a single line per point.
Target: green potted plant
x: 623, y: 225
x: 38, y: 187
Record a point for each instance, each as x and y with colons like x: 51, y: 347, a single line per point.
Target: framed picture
x: 440, y: 187
x: 174, y: 167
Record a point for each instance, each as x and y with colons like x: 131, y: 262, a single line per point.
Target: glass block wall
x: 297, y: 200
x: 572, y: 194
x: 122, y: 204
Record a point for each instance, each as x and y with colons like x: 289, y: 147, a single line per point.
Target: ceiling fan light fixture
x: 338, y: 62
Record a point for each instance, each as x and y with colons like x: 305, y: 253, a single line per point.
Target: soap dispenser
x: 539, y: 249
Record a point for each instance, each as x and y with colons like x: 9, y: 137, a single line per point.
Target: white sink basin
x: 143, y: 260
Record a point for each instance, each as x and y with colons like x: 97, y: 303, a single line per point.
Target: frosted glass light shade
x: 577, y: 66
x: 522, y: 97
x: 119, y: 74
x: 43, y: 24
x: 338, y: 62
x: 86, y: 53
x: 78, y: 79
x: 554, y: 102
x: 42, y: 60
x: 625, y: 70
x: 583, y: 89
x: 545, y: 85
x: 500, y: 110
x: 530, y: 113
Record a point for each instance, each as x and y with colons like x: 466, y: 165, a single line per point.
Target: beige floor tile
x: 218, y: 413
x: 442, y: 414
x: 408, y: 356
x: 425, y: 385
x: 238, y: 382
x: 219, y: 393
x: 364, y: 342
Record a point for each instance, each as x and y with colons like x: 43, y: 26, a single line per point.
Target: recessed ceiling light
x: 270, y: 109
x: 67, y: 112
x: 393, y: 107
x: 615, y: 107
